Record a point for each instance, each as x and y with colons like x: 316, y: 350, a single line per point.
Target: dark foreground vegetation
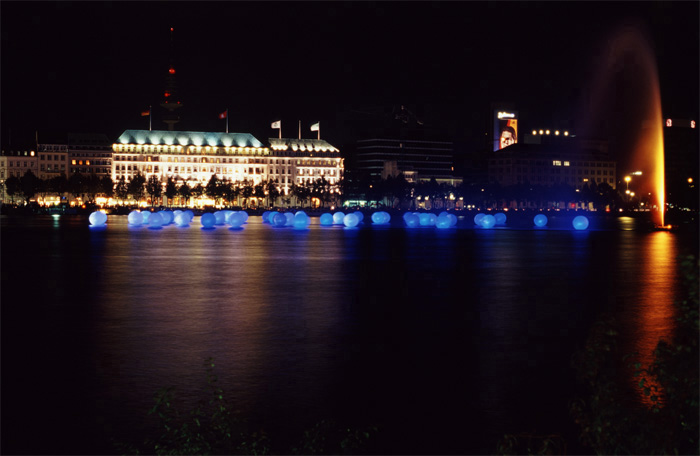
x: 607, y: 411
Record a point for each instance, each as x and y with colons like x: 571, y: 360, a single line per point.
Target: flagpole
x: 300, y: 129
x: 150, y: 114
x: 319, y: 131
x: 226, y: 120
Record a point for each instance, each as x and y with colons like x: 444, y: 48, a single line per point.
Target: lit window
x: 556, y: 163
x: 566, y: 163
x: 72, y: 162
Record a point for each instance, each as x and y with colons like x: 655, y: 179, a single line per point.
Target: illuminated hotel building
x: 193, y: 157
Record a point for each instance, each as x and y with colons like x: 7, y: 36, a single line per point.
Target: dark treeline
x: 392, y: 192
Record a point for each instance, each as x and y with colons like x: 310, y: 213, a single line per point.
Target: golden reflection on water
x: 656, y: 319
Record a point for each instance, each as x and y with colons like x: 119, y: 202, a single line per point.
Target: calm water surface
x: 445, y: 339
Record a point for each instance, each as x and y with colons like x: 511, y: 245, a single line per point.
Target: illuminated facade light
x: 534, y: 132
x: 566, y: 133
x: 546, y: 132
x: 556, y: 132
x: 541, y: 132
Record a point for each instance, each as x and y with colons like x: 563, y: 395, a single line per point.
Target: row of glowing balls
x: 157, y: 220
x: 300, y: 220
x: 579, y: 222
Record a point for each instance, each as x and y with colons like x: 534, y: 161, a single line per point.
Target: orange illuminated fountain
x: 625, y: 106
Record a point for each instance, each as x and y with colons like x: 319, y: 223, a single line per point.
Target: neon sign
x: 506, y: 115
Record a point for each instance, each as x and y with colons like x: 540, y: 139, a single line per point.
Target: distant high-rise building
x: 171, y: 101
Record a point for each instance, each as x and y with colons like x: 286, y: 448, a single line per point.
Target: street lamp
x: 627, y: 180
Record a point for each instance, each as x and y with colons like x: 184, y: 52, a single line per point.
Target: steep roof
x: 188, y: 138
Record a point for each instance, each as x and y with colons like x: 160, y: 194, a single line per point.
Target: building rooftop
x: 188, y: 138
x: 308, y: 145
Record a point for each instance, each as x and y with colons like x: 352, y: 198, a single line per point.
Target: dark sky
x: 94, y: 66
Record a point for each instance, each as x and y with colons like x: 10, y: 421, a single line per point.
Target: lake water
x: 445, y: 339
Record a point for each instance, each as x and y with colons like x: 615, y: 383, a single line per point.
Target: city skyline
x: 321, y: 62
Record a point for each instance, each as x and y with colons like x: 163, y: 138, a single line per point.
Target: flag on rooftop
x: 223, y: 115
x: 315, y: 127
x: 147, y: 112
x: 277, y: 124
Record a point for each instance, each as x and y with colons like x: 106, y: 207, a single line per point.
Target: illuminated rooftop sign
x: 506, y: 115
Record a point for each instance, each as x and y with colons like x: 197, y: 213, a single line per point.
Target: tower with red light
x: 171, y: 101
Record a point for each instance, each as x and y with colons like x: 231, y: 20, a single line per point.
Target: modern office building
x: 193, y: 157
x: 423, y: 160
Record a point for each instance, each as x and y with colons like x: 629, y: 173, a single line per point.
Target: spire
x: 171, y: 101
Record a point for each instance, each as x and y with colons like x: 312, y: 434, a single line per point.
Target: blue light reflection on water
x: 402, y: 328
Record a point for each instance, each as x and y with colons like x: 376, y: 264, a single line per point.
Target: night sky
x: 95, y: 66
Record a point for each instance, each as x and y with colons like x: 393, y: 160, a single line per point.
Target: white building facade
x: 194, y: 157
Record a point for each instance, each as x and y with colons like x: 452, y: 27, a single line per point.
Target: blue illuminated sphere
x: 190, y: 214
x: 266, y: 217
x: 326, y: 219
x: 219, y: 217
x: 208, y: 220
x: 301, y: 221
x: 135, y: 218
x: 443, y: 213
x: 443, y: 221
x: 244, y: 214
x: 478, y: 218
x: 433, y: 218
x: 300, y: 212
x: 338, y: 218
x: 453, y: 219
x: 360, y: 215
x: 351, y: 220
x: 580, y: 222
x: 488, y: 221
x: 236, y: 219
x: 424, y: 219
x: 168, y: 217
x: 381, y: 218
x: 155, y: 221
x: 144, y: 217
x: 279, y: 219
x: 290, y: 219
x: 182, y: 219
x: 175, y: 212
x: 540, y: 220
x: 412, y: 220
x: 98, y: 218
x: 406, y: 215
x: 500, y: 218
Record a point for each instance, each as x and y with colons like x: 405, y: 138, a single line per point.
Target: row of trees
x: 89, y: 187
x: 397, y: 192
x: 392, y: 192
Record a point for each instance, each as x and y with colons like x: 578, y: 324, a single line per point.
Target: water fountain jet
x: 625, y: 106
